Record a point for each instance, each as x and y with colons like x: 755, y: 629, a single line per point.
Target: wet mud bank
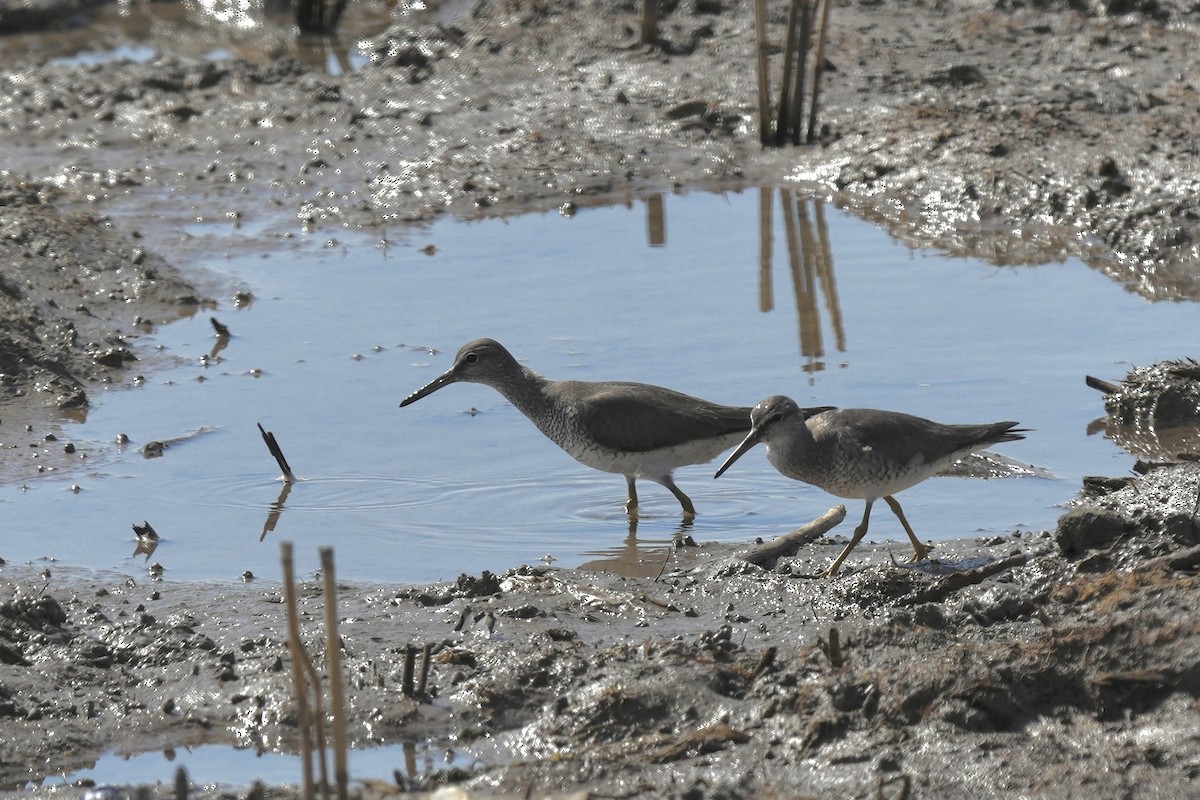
x: 1014, y: 134
x: 75, y: 296
x: 1074, y: 663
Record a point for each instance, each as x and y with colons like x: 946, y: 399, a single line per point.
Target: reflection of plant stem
x: 766, y: 201
x: 810, y: 259
x: 276, y: 510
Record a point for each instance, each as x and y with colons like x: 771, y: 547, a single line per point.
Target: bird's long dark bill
x: 750, y: 440
x: 444, y: 379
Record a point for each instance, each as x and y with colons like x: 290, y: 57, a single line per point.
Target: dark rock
x: 1084, y: 529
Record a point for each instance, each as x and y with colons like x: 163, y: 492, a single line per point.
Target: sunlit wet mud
x: 1017, y: 135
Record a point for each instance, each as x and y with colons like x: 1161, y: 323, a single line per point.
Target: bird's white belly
x: 650, y: 463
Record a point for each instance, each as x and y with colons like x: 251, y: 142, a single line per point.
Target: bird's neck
x: 783, y: 451
x: 527, y: 392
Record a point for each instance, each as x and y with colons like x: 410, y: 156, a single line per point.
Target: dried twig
x: 959, y: 580
x: 703, y: 740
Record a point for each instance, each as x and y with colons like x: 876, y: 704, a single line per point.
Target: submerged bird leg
x: 859, y: 533
x: 921, y: 552
x: 689, y: 510
x: 632, y: 503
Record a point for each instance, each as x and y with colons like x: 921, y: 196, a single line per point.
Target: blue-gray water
x: 219, y: 764
x: 343, y: 330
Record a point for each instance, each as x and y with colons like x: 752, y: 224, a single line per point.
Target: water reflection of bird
x: 634, y: 429
x: 862, y: 453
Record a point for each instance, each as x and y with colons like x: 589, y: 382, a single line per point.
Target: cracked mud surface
x: 1015, y: 133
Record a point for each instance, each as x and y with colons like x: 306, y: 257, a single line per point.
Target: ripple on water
x: 320, y: 493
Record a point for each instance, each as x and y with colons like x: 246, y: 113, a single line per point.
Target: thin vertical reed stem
x: 818, y: 70
x: 796, y: 110
x: 784, y: 113
x: 426, y: 658
x: 299, y: 682
x: 764, y: 88
x: 333, y: 658
x: 406, y: 677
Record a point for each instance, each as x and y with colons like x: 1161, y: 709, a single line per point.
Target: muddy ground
x: 1015, y: 132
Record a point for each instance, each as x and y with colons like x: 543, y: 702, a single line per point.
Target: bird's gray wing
x: 898, y: 437
x: 635, y: 417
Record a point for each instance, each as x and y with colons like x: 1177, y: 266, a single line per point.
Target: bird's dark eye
x: 778, y: 415
x: 470, y: 358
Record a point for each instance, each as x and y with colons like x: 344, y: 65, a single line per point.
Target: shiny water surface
x: 721, y: 296
x: 212, y: 764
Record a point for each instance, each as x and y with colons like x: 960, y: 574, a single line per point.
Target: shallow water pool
x: 687, y: 291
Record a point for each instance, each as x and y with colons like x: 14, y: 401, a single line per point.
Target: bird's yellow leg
x: 859, y: 533
x: 689, y: 510
x: 920, y: 550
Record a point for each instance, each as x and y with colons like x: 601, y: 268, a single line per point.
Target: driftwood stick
x: 767, y: 553
x: 959, y: 580
x: 1101, y: 385
x: 1182, y: 559
x: 333, y: 659
x: 273, y: 446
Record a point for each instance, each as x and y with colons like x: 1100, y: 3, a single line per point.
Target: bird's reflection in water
x: 643, y: 558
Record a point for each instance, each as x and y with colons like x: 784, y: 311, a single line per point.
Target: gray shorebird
x: 634, y: 429
x: 862, y: 453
